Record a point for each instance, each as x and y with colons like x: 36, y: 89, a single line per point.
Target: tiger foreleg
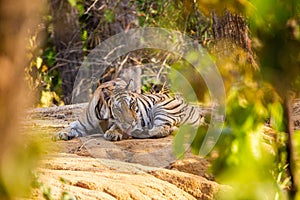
x: 113, y: 134
x: 72, y: 131
x: 155, y: 132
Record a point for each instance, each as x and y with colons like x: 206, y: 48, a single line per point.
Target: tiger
x: 119, y: 112
x: 151, y: 115
x: 96, y: 117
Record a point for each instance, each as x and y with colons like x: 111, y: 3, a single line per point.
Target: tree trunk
x: 68, y: 44
x: 232, y: 29
x: 290, y: 145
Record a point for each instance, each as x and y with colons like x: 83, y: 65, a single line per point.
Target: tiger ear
x: 130, y: 85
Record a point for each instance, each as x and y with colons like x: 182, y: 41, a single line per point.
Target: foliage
x: 256, y: 167
x: 17, y: 172
x: 276, y: 29
x: 250, y: 157
x: 186, y: 18
x: 41, y: 75
x: 243, y: 161
x: 97, y: 20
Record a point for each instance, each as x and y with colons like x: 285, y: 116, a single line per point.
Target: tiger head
x: 124, y: 109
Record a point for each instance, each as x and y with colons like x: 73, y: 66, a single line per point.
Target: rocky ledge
x: 93, y: 168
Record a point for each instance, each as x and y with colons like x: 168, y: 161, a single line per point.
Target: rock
x: 93, y: 168
x: 198, y: 187
x: 86, y: 178
x: 193, y: 165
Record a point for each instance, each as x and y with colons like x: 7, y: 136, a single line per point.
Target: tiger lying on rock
x: 129, y: 113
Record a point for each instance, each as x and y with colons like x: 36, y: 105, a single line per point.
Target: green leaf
x: 80, y: 9
x: 276, y: 111
x: 84, y: 35
x: 109, y: 15
x: 72, y: 2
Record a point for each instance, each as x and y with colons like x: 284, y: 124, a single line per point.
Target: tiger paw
x: 113, y: 135
x: 61, y: 136
x: 66, y: 134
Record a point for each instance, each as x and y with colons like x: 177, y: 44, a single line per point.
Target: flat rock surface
x: 91, y: 178
x: 93, y: 168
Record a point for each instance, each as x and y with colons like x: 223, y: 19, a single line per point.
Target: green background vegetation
x: 256, y: 163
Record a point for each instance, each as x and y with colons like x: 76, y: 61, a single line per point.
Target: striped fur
x: 151, y: 115
x: 118, y: 112
x: 131, y: 111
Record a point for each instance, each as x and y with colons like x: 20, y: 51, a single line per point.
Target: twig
x: 122, y: 64
x: 83, y: 145
x: 93, y: 5
x: 163, y: 66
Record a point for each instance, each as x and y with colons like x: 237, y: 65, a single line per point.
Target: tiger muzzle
x: 125, y: 118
